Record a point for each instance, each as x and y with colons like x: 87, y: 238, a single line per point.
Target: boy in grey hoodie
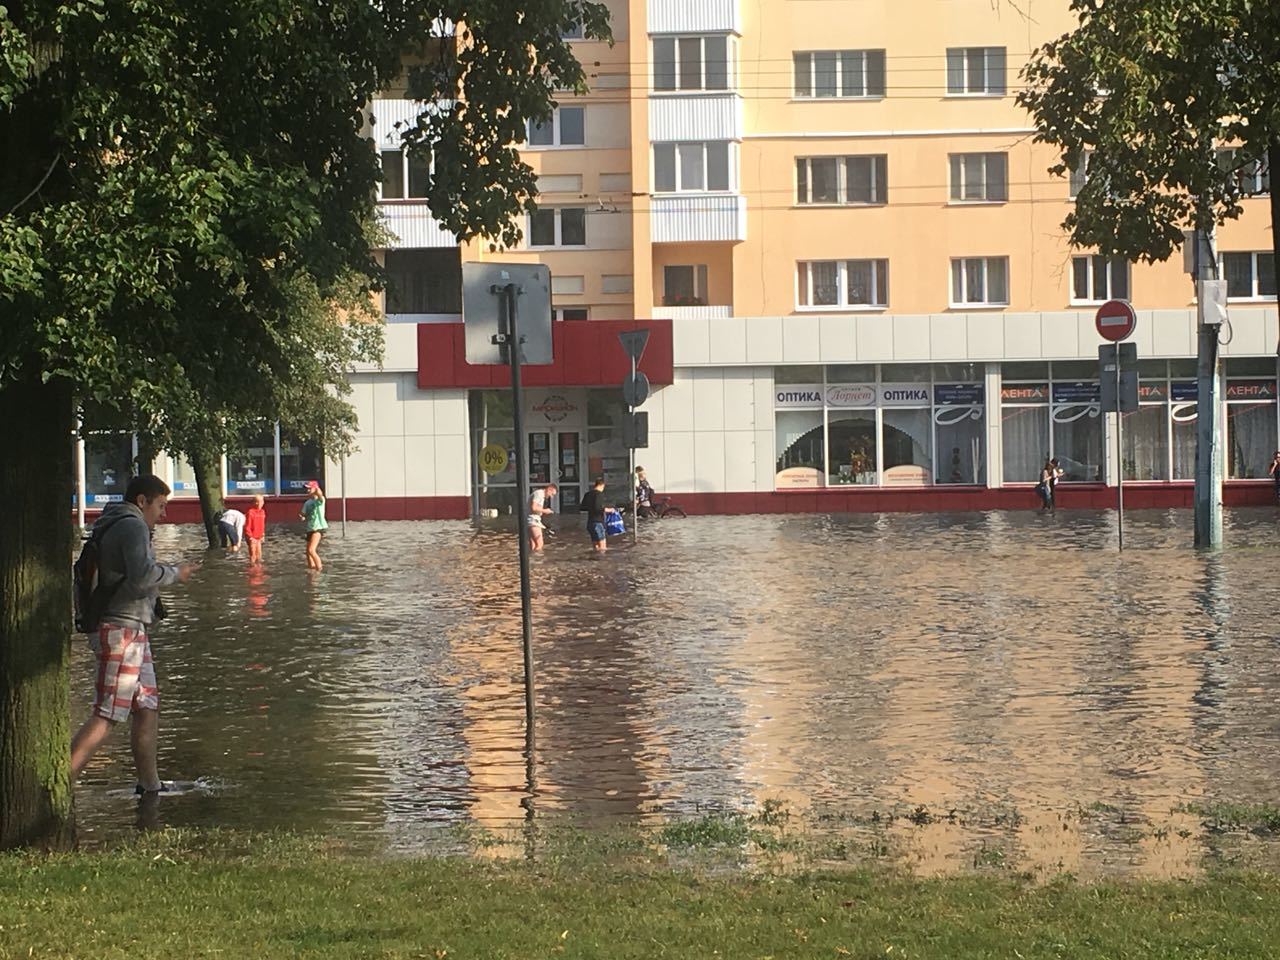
x: 131, y: 577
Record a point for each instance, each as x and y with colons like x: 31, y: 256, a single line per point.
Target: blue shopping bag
x: 613, y: 524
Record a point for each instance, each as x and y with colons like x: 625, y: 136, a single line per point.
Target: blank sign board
x: 483, y: 311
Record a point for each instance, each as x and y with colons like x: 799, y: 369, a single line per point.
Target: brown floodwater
x: 954, y: 689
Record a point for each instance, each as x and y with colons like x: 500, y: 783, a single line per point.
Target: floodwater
x: 1044, y: 700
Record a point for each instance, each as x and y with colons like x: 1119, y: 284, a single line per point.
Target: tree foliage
x: 187, y: 235
x: 1148, y: 89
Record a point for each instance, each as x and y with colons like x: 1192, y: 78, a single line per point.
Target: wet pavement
x: 961, y: 688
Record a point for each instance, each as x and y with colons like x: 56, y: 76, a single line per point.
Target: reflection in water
x: 976, y: 668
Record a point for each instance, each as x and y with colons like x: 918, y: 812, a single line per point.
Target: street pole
x: 631, y: 466
x: 343, y: 473
x: 1119, y: 456
x: 509, y: 339
x: 1208, y: 489
x: 82, y: 476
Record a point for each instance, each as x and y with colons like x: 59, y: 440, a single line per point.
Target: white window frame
x: 1091, y: 266
x: 986, y: 90
x: 404, y: 174
x: 804, y: 278
x: 956, y: 161
x: 880, y: 187
x: 557, y: 142
x: 840, y: 74
x: 1078, y: 176
x: 1255, y: 296
x: 731, y: 154
x: 559, y: 230
x: 700, y: 281
x: 731, y: 63
x: 968, y: 303
x: 1260, y: 174
x: 558, y: 313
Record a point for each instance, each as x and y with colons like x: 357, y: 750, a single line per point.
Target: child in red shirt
x: 255, y: 528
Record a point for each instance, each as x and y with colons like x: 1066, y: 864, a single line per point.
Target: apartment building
x: 833, y: 219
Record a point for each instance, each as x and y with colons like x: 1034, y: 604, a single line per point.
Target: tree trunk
x: 205, y: 467
x: 35, y: 615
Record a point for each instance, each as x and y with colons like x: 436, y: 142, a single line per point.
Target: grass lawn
x: 169, y: 896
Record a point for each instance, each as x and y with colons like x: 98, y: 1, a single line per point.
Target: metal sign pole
x: 343, y: 472
x: 1119, y: 454
x: 510, y: 337
x: 631, y: 461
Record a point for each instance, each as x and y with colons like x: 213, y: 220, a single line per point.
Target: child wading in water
x: 255, y: 528
x: 313, y: 513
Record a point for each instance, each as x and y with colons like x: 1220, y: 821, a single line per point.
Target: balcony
x: 695, y: 116
x: 412, y: 226
x: 710, y: 311
x: 687, y: 16
x: 698, y: 218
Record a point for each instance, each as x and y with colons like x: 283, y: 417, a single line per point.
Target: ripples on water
x: 981, y: 662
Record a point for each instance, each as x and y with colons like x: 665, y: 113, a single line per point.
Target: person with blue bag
x: 597, y: 510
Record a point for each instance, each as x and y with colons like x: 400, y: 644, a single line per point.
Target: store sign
x: 1251, y: 389
x: 555, y: 408
x: 1087, y: 392
x: 798, y: 396
x: 798, y: 478
x: 958, y: 394
x: 904, y: 395
x: 1025, y: 393
x: 1184, y: 390
x: 851, y: 395
x: 1151, y: 391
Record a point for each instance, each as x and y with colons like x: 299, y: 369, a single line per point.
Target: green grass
x: 233, y: 896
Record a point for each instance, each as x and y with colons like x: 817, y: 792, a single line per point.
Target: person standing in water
x: 255, y: 528
x: 313, y: 514
x: 594, y: 506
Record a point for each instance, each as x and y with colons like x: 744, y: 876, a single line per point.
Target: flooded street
x: 1000, y: 682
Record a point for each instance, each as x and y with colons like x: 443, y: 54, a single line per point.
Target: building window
x: 976, y: 70
x: 299, y: 463
x: 253, y: 469
x: 1250, y: 276
x: 843, y: 283
x: 558, y: 227
x: 573, y: 31
x: 684, y: 285
x: 979, y: 176
x: 691, y: 63
x: 569, y: 313
x: 1095, y: 279
x: 566, y: 128
x: 1252, y: 177
x: 424, y: 282
x: 980, y: 281
x: 831, y: 74
x: 847, y: 180
x: 404, y: 176
x: 692, y: 167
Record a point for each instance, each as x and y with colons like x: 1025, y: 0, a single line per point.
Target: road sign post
x: 635, y: 390
x: 497, y: 336
x: 1115, y: 321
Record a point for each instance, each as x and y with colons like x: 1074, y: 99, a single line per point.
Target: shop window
x: 976, y: 71
x: 798, y: 442
x: 851, y: 436
x: 1077, y: 441
x: 421, y: 281
x: 184, y: 478
x: 254, y: 469
x: 299, y: 462
x: 1251, y: 439
x: 108, y: 466
x: 958, y: 423
x: 609, y: 457
x: 1145, y: 443
x: 908, y: 446
x: 1024, y: 426
x: 1183, y: 427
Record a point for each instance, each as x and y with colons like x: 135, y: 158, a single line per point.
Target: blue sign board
x: 1088, y: 392
x: 958, y: 394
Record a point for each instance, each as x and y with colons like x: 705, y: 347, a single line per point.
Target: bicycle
x: 662, y: 509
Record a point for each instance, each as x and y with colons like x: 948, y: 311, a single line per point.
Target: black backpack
x: 90, y: 597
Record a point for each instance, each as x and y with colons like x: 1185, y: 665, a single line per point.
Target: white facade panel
x: 1252, y: 331
x: 766, y: 468
x: 708, y: 399
x: 710, y: 311
x: 1173, y: 333
x: 728, y: 340
x: 948, y: 337
x: 764, y: 339
x: 1060, y: 335
x: 699, y: 218
x: 677, y: 403
x: 740, y: 461
x: 839, y: 339
x: 708, y: 452
x: 680, y: 471
x: 875, y: 339
x: 694, y: 16
x: 419, y: 410
x: 984, y: 334
x: 399, y: 353
x: 739, y: 399
x: 452, y: 466
x: 412, y: 226
x: 390, y: 113
x: 388, y: 466
x: 801, y: 339
x: 419, y: 466
x: 1022, y: 336
x: 388, y: 413
x: 910, y: 337
x: 451, y: 412
x: 703, y: 116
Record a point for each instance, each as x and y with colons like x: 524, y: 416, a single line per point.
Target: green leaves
x: 1146, y: 90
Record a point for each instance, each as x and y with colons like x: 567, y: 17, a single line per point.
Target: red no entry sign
x: 1116, y: 320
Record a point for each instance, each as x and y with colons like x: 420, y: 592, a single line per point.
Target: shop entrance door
x: 555, y: 456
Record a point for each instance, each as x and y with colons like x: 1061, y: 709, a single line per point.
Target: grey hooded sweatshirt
x: 124, y: 550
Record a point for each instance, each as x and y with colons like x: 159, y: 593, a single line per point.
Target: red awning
x: 587, y: 354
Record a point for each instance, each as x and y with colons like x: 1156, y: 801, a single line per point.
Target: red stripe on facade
x: 587, y: 354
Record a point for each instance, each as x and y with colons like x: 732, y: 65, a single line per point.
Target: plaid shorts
x: 126, y: 675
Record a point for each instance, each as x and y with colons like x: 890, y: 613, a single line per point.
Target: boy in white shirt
x: 537, y: 508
